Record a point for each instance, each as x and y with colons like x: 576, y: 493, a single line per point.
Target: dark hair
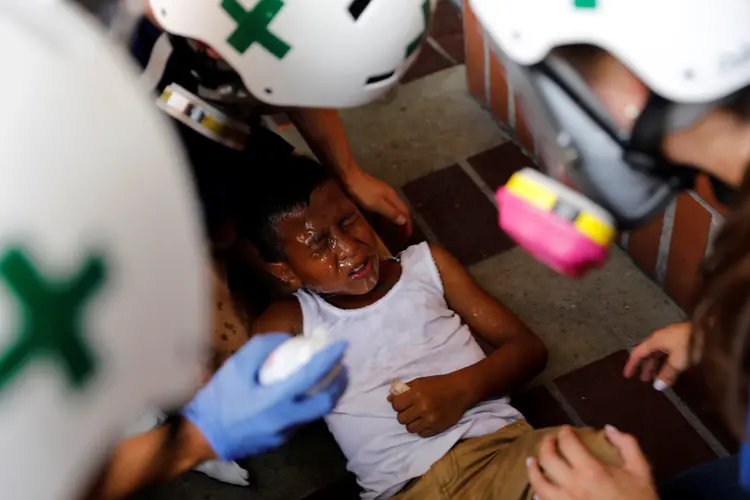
x: 216, y: 169
x: 281, y: 189
x: 722, y: 315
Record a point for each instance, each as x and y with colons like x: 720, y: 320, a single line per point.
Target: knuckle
x: 629, y: 438
x: 593, y: 471
x: 630, y: 442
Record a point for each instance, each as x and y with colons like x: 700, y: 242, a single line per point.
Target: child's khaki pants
x: 493, y: 467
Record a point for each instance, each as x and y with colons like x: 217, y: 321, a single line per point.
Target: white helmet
x: 103, y: 298
x: 316, y: 53
x: 684, y: 50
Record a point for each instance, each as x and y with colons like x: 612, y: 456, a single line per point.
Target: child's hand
x: 431, y: 405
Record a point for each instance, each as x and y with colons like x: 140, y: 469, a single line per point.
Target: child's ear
x: 282, y: 272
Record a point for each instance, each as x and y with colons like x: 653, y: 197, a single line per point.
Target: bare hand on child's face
x: 431, y: 405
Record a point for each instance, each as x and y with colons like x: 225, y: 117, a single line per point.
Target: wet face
x: 329, y: 246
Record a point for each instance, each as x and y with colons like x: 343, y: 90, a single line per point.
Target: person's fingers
x: 317, y: 406
x: 667, y: 377
x: 648, y: 369
x: 324, y: 401
x: 316, y: 369
x: 428, y: 432
x: 384, y: 207
x: 403, y: 401
x: 641, y: 352
x: 338, y: 385
x: 630, y: 451
x: 397, y: 203
x: 574, y: 452
x: 556, y: 468
x: 417, y: 426
x: 409, y: 415
x: 543, y: 489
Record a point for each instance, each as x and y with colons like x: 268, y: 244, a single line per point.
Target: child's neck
x: 390, y: 273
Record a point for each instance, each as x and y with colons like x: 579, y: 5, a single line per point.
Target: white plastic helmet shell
x: 103, y: 287
x: 317, y: 53
x: 685, y: 50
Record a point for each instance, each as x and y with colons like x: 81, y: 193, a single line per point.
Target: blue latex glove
x: 239, y: 417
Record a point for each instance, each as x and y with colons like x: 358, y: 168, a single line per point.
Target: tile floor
x: 446, y: 155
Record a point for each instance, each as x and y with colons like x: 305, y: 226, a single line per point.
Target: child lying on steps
x: 453, y: 434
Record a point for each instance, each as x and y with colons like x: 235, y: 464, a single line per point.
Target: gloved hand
x: 239, y: 417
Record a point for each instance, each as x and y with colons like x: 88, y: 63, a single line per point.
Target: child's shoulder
x: 437, y: 253
x: 282, y: 316
x: 416, y: 251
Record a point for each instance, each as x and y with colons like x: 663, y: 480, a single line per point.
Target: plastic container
x: 291, y: 356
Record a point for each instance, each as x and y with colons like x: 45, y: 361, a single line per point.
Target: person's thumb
x: 629, y: 449
x: 315, y: 370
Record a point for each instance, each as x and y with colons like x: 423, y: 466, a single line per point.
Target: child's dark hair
x: 279, y: 190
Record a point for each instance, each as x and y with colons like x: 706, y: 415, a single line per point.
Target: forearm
x: 151, y: 458
x: 325, y: 134
x: 510, y: 366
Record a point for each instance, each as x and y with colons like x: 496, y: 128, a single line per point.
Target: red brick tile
x: 447, y: 30
x: 693, y: 388
x: 498, y: 89
x: 496, y: 165
x: 454, y: 46
x: 601, y: 395
x: 446, y: 20
x: 474, y: 52
x: 429, y: 61
x: 643, y: 245
x: 686, y: 251
x: 540, y: 408
x: 461, y: 216
x: 524, y: 134
x: 706, y: 191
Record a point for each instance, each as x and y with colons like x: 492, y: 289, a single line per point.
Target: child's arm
x: 433, y: 404
x: 284, y: 316
x: 519, y: 354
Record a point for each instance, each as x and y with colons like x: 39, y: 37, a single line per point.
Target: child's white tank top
x: 409, y: 333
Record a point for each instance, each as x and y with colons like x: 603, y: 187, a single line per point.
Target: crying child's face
x: 329, y: 246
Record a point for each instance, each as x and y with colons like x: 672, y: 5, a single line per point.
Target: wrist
x: 196, y: 447
x: 468, y: 386
x: 350, y: 173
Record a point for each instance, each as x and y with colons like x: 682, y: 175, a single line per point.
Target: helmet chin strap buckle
x: 203, y: 118
x: 643, y: 151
